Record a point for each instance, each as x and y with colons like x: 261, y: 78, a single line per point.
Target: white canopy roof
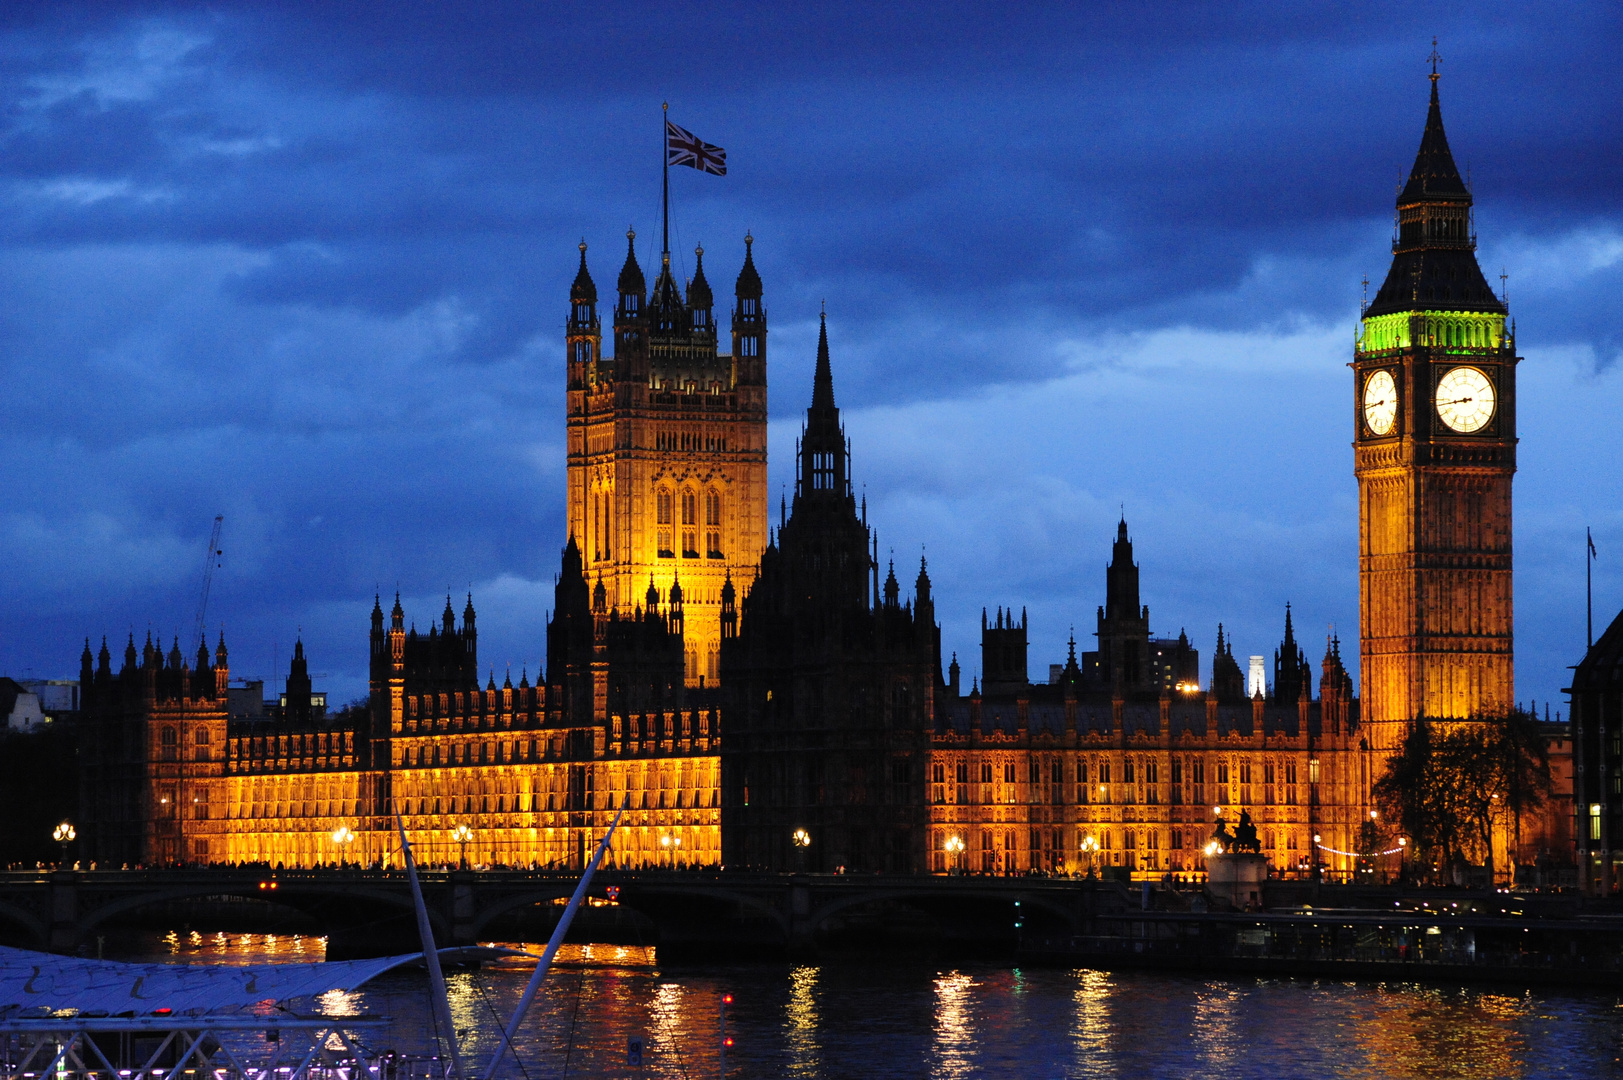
x: 33, y: 979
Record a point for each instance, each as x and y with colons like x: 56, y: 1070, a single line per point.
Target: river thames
x: 868, y: 1017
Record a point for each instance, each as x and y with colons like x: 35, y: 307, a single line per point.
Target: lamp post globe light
x: 462, y: 834
x: 64, y: 834
x: 343, y: 836
x: 955, y: 848
x: 1088, y: 846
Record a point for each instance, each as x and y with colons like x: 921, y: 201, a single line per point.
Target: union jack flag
x: 684, y: 148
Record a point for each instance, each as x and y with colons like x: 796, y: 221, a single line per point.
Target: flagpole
x: 665, y: 156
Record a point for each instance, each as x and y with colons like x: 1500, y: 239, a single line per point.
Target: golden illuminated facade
x: 1055, y: 780
x: 1434, y: 380
x: 1108, y: 766
x: 667, y: 445
x: 167, y: 776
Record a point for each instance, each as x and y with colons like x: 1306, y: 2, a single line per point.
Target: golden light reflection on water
x: 1216, y: 1039
x: 221, y: 948
x: 1091, y: 1032
x: 800, y: 1028
x: 1442, y: 1033
x: 953, y: 1052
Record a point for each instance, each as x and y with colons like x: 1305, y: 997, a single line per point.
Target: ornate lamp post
x: 1090, y: 844
x: 64, y: 834
x: 343, y: 836
x: 955, y: 848
x: 801, y: 840
x: 462, y: 834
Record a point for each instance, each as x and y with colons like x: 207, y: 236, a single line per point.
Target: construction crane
x: 211, y: 561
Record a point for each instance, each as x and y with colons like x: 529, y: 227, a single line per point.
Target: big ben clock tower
x: 1434, y: 386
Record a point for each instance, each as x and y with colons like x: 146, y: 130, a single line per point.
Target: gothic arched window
x: 663, y: 501
x: 712, y: 524
x: 690, y: 521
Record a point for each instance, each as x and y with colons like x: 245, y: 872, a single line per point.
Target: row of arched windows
x: 688, y: 528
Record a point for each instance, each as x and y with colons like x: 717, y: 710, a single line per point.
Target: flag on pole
x: 684, y: 148
x: 1591, y: 540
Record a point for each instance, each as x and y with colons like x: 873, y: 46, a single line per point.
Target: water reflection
x: 1090, y: 1025
x: 912, y: 1019
x: 800, y: 1023
x: 215, y: 947
x: 954, y: 1051
x: 1216, y: 1041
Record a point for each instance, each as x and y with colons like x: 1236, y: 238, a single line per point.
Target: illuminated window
x: 690, y: 521
x: 664, y: 506
x: 712, y: 522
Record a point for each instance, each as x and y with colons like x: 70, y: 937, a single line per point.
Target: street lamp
x: 955, y: 848
x: 343, y: 836
x: 1089, y: 846
x: 462, y: 834
x: 1403, y: 844
x: 64, y: 835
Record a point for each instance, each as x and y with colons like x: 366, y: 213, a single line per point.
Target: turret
x: 222, y: 670
x: 749, y: 323
x: 1121, y: 578
x: 1293, y: 676
x: 297, y: 711
x: 630, y: 325
x: 676, y: 606
x: 202, y: 675
x: 585, y: 335
x: 923, y: 602
x: 729, y: 608
x: 823, y: 462
x: 700, y: 299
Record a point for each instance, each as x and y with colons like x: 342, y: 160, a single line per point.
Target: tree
x: 1452, y: 783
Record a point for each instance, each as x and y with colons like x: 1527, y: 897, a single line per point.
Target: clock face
x: 1465, y: 399
x: 1380, y: 402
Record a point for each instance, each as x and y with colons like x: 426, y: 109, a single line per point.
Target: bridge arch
x: 28, y: 921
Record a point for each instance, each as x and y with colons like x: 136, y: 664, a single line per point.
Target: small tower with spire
x: 584, y: 338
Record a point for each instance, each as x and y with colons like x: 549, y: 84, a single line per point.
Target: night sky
x: 307, y: 266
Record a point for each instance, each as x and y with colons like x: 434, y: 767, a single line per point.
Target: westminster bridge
x: 370, y: 912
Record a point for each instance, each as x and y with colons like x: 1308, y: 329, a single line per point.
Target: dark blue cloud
x: 304, y: 266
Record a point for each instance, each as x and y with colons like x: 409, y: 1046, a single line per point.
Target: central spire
x: 823, y: 381
x: 823, y: 457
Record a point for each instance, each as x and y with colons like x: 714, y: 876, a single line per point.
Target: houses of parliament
x: 765, y: 694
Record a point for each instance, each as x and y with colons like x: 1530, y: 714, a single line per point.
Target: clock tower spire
x: 1434, y: 385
